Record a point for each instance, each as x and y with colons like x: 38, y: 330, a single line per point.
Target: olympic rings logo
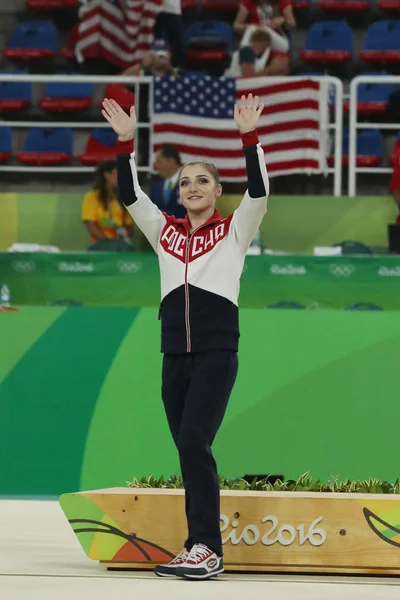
x: 128, y: 267
x: 23, y: 266
x: 342, y: 270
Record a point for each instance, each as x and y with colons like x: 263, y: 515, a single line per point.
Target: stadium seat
x: 382, y: 42
x: 369, y: 149
x: 327, y: 42
x: 344, y: 6
x: 47, y: 146
x: 396, y: 151
x: 389, y: 5
x: 48, y: 5
x: 67, y: 97
x: 32, y: 40
x: 221, y: 6
x: 68, y: 52
x: 14, y: 96
x: 119, y: 93
x: 101, y: 145
x: 372, y: 98
x: 209, y: 41
x: 301, y: 4
x: 5, y: 144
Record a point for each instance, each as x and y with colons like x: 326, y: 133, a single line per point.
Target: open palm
x: 247, y: 112
x: 124, y: 125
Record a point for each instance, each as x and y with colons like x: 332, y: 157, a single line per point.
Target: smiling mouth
x: 195, y: 197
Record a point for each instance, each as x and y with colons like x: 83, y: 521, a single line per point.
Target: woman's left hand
x: 247, y: 112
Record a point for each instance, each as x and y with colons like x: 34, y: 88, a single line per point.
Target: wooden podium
x: 262, y: 531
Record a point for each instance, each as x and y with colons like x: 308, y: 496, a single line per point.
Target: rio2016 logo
x: 285, y: 535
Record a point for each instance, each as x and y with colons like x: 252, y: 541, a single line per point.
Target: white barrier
x: 355, y: 125
x: 330, y: 85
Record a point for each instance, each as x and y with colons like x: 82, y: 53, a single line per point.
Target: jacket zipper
x: 187, y: 307
x: 187, y: 323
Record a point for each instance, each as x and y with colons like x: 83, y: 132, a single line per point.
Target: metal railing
x: 89, y: 125
x: 331, y: 87
x: 355, y: 125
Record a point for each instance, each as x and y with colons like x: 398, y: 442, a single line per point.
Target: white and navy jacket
x: 200, y: 271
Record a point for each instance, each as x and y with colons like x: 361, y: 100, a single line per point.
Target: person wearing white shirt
x: 259, y: 58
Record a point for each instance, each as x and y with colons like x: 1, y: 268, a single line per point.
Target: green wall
x: 293, y: 223
x: 80, y: 404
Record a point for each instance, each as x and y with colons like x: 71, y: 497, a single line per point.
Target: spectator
x: 395, y: 185
x: 276, y: 16
x: 169, y: 25
x: 165, y: 188
x: 258, y: 58
x: 103, y: 214
x: 156, y: 63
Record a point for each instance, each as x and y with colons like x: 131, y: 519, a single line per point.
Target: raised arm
x: 247, y: 218
x: 147, y: 215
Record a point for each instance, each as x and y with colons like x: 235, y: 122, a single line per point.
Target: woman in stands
x: 102, y: 212
x: 201, y: 260
x: 275, y: 16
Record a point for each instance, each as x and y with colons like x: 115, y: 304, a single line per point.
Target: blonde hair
x: 207, y: 165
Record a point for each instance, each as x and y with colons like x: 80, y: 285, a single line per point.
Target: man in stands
x: 165, y: 189
x: 157, y: 62
x: 259, y: 58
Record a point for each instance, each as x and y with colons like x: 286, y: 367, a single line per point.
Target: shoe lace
x: 182, y: 556
x: 198, y: 552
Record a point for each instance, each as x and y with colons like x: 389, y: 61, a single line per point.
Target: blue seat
x: 14, y: 96
x: 382, y: 42
x: 345, y: 5
x: 32, y: 40
x: 5, y: 144
x: 101, y: 145
x: 369, y: 151
x: 47, y: 146
x: 67, y: 97
x: 373, y: 97
x: 209, y: 41
x: 328, y: 42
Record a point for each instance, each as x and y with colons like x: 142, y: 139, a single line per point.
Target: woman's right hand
x: 124, y: 125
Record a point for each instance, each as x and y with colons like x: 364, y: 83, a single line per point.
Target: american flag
x: 196, y: 115
x: 119, y: 31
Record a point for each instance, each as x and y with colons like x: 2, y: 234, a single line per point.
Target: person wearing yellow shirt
x: 103, y: 214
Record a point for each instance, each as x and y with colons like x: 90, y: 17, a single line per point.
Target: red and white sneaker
x: 202, y: 563
x: 169, y: 570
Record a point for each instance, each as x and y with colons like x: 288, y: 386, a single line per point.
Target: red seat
x: 64, y: 104
x: 48, y: 146
x: 13, y: 105
x: 101, y: 145
x: 389, y: 5
x: 43, y: 158
x: 221, y: 5
x: 119, y: 93
x: 51, y: 4
x: 199, y: 56
x: 347, y: 6
x: 5, y: 156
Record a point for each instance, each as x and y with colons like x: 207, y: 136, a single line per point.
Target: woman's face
x: 197, y: 189
x: 111, y: 179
